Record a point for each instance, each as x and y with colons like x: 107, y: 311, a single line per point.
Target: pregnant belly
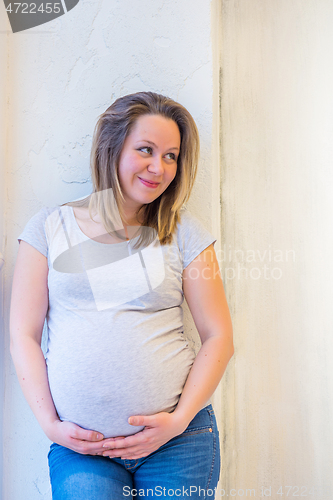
x: 102, y: 394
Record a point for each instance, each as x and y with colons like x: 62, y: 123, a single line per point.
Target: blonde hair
x: 111, y: 130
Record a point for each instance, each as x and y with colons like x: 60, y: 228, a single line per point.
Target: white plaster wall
x: 62, y: 76
x: 277, y: 184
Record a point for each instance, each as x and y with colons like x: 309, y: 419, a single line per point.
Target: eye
x: 146, y: 149
x: 171, y: 156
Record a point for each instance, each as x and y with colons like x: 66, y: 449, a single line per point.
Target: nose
x: 156, y: 165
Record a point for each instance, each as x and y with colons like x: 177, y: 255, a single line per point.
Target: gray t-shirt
x: 115, y: 344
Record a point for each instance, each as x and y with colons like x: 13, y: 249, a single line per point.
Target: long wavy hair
x: 111, y: 130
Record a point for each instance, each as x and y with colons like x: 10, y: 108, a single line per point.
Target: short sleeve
x: 34, y: 232
x: 192, y: 237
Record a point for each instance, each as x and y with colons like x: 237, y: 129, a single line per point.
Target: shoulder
x: 189, y: 222
x: 35, y: 230
x: 192, y: 236
x: 44, y: 212
x: 40, y: 217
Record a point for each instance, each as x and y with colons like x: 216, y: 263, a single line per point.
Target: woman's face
x: 148, y: 161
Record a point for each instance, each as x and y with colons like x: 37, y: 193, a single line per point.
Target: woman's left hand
x: 159, y: 429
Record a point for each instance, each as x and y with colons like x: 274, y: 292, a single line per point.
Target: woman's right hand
x: 76, y: 438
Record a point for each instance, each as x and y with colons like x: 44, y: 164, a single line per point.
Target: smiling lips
x: 148, y: 183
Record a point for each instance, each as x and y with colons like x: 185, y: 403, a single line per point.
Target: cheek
x: 173, y: 173
x: 132, y: 164
x: 127, y: 168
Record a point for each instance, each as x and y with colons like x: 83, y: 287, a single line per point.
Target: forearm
x: 204, y: 377
x: 32, y: 375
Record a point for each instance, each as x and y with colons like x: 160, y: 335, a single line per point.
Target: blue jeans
x: 187, y: 466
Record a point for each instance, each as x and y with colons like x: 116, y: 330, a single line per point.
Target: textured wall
x: 62, y: 76
x: 277, y: 179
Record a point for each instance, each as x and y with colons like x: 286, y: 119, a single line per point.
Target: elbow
x: 14, y: 340
x: 16, y: 344
x: 226, y: 345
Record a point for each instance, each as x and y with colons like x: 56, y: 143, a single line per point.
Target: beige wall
x: 277, y: 185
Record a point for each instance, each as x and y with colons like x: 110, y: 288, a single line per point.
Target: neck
x: 132, y: 219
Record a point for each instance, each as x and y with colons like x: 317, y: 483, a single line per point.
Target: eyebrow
x: 153, y: 143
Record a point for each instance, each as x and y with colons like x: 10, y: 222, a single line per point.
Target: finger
x: 110, y: 441
x: 121, y: 452
x: 85, y: 447
x: 85, y: 435
x: 141, y: 420
x: 134, y: 440
x: 88, y: 447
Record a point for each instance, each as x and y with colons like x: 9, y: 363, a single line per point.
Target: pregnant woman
x: 119, y: 391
